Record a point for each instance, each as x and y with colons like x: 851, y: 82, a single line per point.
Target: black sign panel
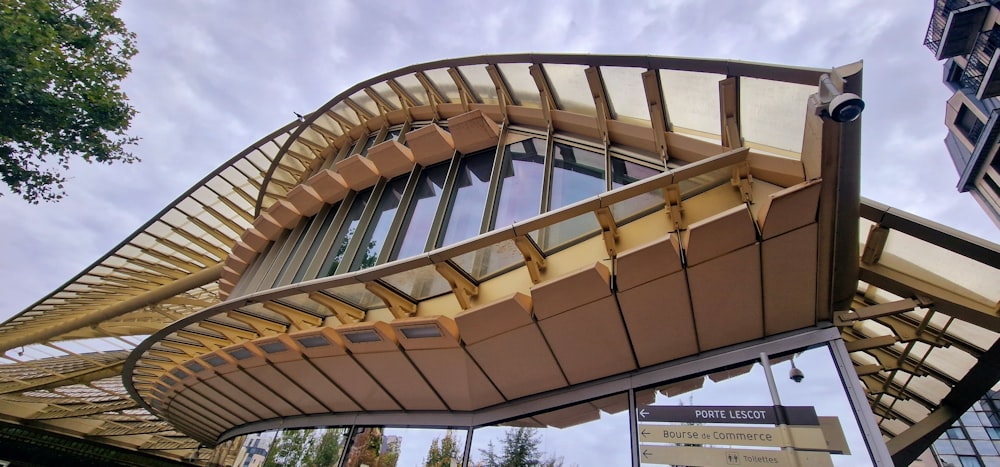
x: 755, y: 415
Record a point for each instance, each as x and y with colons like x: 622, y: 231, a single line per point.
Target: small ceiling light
x: 420, y: 332
x: 842, y: 107
x: 361, y: 337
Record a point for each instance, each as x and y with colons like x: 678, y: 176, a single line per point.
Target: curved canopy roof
x: 921, y: 330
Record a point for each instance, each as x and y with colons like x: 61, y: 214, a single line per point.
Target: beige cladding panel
x: 391, y: 158
x: 640, y: 265
x: 329, y: 185
x: 191, y: 409
x: 726, y: 297
x: 318, y: 385
x: 571, y: 291
x: 518, y: 362
x: 473, y: 131
x: 455, y: 376
x: 237, y: 395
x: 224, y: 401
x: 589, y: 341
x: 788, y: 266
x: 789, y: 209
x: 358, y: 172
x: 256, y: 391
x: 719, y: 234
x: 357, y: 383
x: 305, y: 199
x: 199, y: 400
x: 658, y: 318
x: 286, y: 389
x: 502, y: 315
x: 396, y: 374
x: 430, y: 145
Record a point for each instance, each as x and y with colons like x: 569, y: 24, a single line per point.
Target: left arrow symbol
x: 645, y: 453
x: 643, y: 413
x: 644, y: 432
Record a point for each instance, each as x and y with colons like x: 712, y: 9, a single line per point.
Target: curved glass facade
x: 396, y: 219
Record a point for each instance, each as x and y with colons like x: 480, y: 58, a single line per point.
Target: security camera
x: 846, y: 107
x: 795, y: 374
x: 842, y: 107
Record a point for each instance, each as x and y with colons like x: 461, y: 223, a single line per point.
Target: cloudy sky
x: 212, y: 77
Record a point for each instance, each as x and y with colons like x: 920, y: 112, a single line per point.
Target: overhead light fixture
x: 273, y: 347
x: 420, y: 332
x: 312, y: 341
x: 214, y: 360
x: 842, y: 107
x: 194, y: 366
x: 361, y: 337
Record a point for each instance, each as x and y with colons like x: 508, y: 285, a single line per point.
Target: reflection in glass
x: 485, y: 262
x: 577, y: 174
x: 625, y: 172
x: 746, y: 385
x: 390, y: 447
x: 520, y: 190
x: 465, y: 210
x: 420, y: 216
x: 368, y: 144
x: 336, y: 253
x: 329, y: 214
x: 308, y: 446
x: 591, y: 433
x: 286, y: 262
x: 378, y: 228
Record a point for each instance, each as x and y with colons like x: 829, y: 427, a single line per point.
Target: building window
x: 969, y: 124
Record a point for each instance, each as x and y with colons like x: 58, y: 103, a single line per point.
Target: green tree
x: 443, y: 452
x: 328, y: 450
x: 518, y: 448
x: 60, y: 65
x: 290, y: 447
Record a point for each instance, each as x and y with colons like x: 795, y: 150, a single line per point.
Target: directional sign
x: 698, y: 456
x: 754, y: 415
x: 798, y: 436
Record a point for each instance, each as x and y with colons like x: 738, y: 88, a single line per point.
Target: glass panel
x: 330, y: 215
x: 303, y: 302
x: 444, y: 84
x: 309, y: 446
x: 625, y: 172
x: 570, y: 88
x: 413, y: 88
x: 483, y: 263
x: 420, y: 283
x: 336, y: 253
x: 577, y: 174
x: 362, y: 99
x: 591, y: 433
x: 520, y: 188
x: 943, y: 446
x: 468, y: 200
x: 692, y: 100
x: 626, y: 94
x: 387, y: 94
x: 346, y: 113
x: 940, y: 266
x: 480, y: 82
x: 420, y: 215
x: 985, y: 448
x: 378, y: 228
x: 565, y: 233
x: 722, y: 396
x: 295, y: 249
x: 392, y: 135
x: 772, y: 113
x: 368, y: 144
x: 520, y: 84
x: 387, y: 446
x: 357, y: 295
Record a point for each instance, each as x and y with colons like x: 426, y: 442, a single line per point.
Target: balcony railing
x: 939, y: 18
x: 979, y: 59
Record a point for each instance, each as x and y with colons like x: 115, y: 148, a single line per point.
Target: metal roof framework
x: 924, y: 302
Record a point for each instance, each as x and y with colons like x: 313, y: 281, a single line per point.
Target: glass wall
x: 727, y: 412
x: 453, y: 201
